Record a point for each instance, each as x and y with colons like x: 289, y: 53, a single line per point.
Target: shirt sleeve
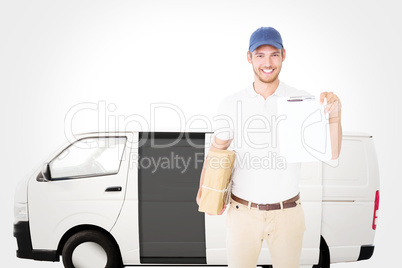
x: 223, y: 121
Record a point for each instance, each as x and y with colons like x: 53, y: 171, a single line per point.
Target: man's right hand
x: 216, y: 145
x: 220, y: 213
x: 223, y: 209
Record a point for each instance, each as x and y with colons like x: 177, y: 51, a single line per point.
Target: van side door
x: 86, y: 187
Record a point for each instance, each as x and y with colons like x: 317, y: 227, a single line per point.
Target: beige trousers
x: 248, y: 227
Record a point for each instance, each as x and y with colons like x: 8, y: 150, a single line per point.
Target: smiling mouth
x: 267, y: 71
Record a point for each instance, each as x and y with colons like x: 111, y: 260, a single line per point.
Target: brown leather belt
x: 290, y: 203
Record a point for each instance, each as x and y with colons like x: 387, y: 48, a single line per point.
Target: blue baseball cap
x: 265, y: 36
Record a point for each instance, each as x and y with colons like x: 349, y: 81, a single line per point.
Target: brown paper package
x: 215, y: 189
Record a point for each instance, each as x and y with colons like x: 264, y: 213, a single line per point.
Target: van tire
x: 325, y: 259
x: 112, y: 253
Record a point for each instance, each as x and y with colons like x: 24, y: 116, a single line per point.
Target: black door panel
x: 171, y: 228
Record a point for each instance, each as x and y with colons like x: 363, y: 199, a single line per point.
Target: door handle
x: 114, y: 189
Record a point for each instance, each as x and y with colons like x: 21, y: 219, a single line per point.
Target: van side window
x: 88, y: 157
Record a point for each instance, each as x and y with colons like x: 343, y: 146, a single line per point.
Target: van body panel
x: 126, y: 231
x: 21, y: 193
x: 344, y: 253
x: 348, y: 196
x: 355, y: 177
x: 348, y: 223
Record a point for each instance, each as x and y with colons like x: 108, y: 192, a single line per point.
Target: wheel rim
x: 89, y: 255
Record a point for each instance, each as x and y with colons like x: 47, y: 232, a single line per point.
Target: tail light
x: 376, y: 206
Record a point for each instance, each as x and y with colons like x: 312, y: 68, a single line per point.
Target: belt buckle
x: 258, y: 206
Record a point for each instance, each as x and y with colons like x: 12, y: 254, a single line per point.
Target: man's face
x: 267, y: 62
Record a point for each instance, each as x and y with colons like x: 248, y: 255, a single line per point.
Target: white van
x: 128, y: 198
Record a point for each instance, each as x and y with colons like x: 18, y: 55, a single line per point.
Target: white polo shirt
x: 261, y: 175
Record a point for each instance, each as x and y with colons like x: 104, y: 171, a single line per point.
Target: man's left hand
x: 333, y: 104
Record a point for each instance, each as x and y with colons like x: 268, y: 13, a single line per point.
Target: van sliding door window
x: 89, y: 157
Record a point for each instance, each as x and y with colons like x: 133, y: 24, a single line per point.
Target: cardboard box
x: 216, y: 185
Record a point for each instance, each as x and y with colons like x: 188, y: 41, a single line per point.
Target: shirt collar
x: 279, y: 92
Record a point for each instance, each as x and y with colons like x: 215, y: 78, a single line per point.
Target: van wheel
x: 324, y: 261
x: 90, y: 249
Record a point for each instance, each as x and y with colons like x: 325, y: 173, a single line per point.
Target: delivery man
x: 265, y: 194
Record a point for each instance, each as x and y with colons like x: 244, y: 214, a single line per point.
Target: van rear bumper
x: 23, y: 235
x: 366, y: 252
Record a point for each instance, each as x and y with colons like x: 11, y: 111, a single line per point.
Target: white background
x: 55, y: 55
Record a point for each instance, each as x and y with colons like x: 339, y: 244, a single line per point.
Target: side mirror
x: 44, y: 175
